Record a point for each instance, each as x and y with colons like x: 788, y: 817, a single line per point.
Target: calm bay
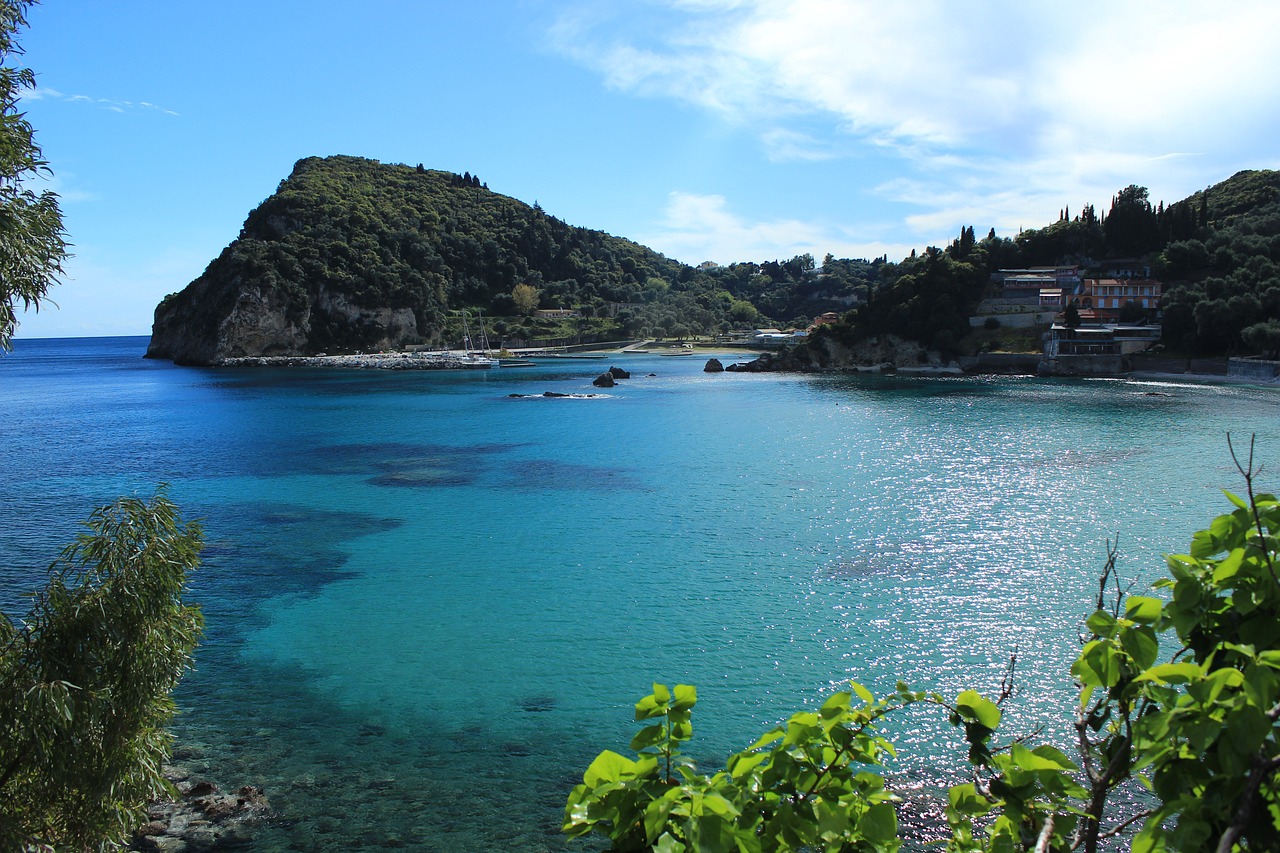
x: 431, y: 603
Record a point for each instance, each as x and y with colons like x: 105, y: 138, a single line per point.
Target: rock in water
x: 604, y: 380
x: 619, y: 373
x: 713, y: 366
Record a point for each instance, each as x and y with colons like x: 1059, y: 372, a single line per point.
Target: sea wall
x: 1253, y: 369
x: 1004, y: 363
x: 1083, y: 365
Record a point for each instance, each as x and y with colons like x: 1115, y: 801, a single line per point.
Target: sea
x: 433, y: 597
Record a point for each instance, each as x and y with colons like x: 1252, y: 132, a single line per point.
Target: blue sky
x: 719, y: 130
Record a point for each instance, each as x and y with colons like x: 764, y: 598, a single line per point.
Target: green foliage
x: 525, y: 298
x: 1198, y: 731
x: 377, y: 235
x: 86, y: 678
x: 929, y: 300
x: 32, y: 242
x: 1225, y: 276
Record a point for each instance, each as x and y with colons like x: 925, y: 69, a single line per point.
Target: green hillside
x: 353, y: 254
x: 1217, y: 253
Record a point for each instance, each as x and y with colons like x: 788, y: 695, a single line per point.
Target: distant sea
x: 430, y: 604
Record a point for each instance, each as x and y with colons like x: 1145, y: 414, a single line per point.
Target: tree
x: 86, y: 680
x: 32, y: 242
x: 526, y: 298
x: 1198, y: 730
x: 1263, y: 337
x: 1132, y: 227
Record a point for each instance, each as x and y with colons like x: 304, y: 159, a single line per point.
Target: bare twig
x: 1244, y: 811
x: 1123, y: 825
x: 1046, y: 836
x: 1249, y: 473
x: 1007, y: 685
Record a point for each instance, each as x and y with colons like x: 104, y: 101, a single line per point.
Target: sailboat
x: 472, y: 358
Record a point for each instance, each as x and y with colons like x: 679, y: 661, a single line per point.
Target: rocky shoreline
x: 202, y: 817
x: 363, y: 361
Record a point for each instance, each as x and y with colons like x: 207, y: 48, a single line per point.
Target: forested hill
x: 354, y: 254
x: 351, y: 254
x: 1217, y: 253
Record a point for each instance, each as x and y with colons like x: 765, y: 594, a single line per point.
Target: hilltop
x: 352, y: 254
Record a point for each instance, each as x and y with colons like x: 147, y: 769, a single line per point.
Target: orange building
x: 1107, y: 296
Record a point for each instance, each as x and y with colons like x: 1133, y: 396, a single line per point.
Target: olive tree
x: 86, y: 679
x: 32, y: 242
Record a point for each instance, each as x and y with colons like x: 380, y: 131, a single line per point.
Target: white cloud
x: 1002, y: 109
x: 697, y: 228
x: 41, y: 93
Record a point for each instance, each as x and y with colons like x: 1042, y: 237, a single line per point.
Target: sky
x: 709, y: 130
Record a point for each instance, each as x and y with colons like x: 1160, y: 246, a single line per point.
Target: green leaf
x: 1229, y: 567
x: 655, y: 704
x: 1027, y: 759
x: 971, y: 705
x: 609, y: 766
x: 1235, y: 500
x: 742, y: 764
x: 1056, y: 756
x: 1173, y: 673
x: 1141, y: 645
x: 835, y: 706
x: 1249, y: 728
x: 1143, y: 609
x: 767, y: 738
x: 647, y: 737
x: 686, y: 697
x: 879, y: 824
x: 1101, y: 623
x: 864, y: 694
x: 667, y: 844
x: 965, y: 800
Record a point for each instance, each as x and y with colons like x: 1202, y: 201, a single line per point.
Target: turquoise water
x: 430, y: 604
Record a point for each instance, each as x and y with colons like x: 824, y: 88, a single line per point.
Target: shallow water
x: 430, y: 604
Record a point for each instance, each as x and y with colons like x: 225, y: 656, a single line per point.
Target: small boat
x: 476, y: 361
x: 472, y: 359
x: 677, y: 352
x: 575, y: 355
x: 515, y: 362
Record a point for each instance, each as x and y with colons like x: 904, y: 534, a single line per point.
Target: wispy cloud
x: 1004, y: 110
x: 43, y: 93
x: 697, y: 228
